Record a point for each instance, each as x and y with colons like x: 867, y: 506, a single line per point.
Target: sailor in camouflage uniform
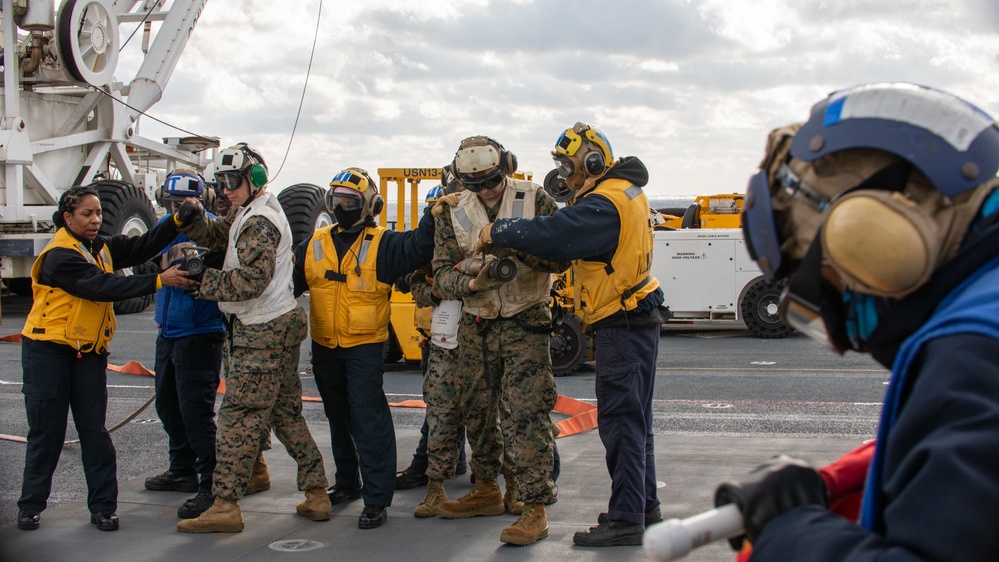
x: 263, y: 389
x: 503, y: 340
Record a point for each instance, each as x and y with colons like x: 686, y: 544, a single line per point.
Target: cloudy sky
x: 689, y: 86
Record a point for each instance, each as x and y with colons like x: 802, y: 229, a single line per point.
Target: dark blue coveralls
x: 350, y: 378
x: 57, y: 378
x: 188, y: 360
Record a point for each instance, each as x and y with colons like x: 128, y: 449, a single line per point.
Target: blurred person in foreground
x: 880, y: 213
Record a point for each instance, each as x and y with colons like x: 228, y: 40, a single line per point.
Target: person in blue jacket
x: 349, y: 269
x: 188, y: 361
x: 880, y: 212
x: 621, y: 302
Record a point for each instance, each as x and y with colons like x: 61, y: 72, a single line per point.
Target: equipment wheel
x: 691, y: 217
x: 88, y: 40
x: 126, y: 210
x: 760, y: 309
x: 569, y: 346
x: 306, y: 211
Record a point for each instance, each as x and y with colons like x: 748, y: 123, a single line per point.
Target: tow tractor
x: 704, y: 269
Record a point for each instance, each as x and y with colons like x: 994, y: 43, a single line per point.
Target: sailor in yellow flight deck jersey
x: 64, y: 349
x: 348, y: 269
x: 620, y: 301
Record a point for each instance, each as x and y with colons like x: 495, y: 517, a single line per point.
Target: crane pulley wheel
x: 88, y: 40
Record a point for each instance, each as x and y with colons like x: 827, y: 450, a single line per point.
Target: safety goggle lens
x: 565, y: 167
x: 486, y: 182
x: 229, y: 180
x: 343, y: 201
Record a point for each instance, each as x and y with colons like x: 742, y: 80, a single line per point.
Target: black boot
x: 196, y: 505
x: 410, y: 478
x: 611, y: 533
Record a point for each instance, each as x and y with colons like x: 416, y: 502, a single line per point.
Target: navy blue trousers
x: 361, y: 430
x: 187, y: 378
x: 56, y: 380
x: 625, y: 381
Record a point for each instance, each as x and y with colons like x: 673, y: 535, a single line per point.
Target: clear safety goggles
x: 564, y: 166
x: 344, y: 198
x: 229, y: 181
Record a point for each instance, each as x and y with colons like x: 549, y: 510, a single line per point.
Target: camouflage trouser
x: 444, y: 392
x: 265, y: 441
x: 263, y: 391
x: 518, y: 373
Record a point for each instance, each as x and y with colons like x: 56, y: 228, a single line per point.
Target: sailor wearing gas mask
x: 620, y: 302
x: 189, y: 349
x: 880, y: 212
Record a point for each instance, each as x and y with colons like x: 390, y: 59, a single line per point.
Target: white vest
x: 530, y: 287
x: 279, y: 296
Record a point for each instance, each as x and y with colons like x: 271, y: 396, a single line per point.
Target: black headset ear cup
x: 159, y: 197
x: 594, y: 163
x: 508, y: 161
x: 376, y: 204
x: 208, y: 197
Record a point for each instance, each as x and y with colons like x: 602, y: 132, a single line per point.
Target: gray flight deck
x: 725, y: 401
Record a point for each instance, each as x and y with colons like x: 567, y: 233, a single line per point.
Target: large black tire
x: 691, y: 217
x: 126, y: 210
x: 569, y: 346
x: 306, y: 211
x: 760, y: 309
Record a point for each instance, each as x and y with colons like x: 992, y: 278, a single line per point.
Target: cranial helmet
x: 582, y: 152
x: 450, y: 181
x: 181, y: 184
x: 434, y: 194
x: 353, y: 189
x: 482, y: 163
x: 237, y: 162
x: 880, y: 184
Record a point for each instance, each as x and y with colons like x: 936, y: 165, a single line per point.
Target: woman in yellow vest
x: 64, y: 348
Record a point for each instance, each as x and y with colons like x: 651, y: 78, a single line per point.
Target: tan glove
x: 450, y: 200
x: 485, y: 239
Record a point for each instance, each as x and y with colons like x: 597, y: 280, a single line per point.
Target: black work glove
x: 403, y: 284
x: 187, y: 213
x: 780, y: 485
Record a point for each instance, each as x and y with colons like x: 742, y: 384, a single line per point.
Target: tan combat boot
x: 316, y: 505
x: 484, y: 499
x: 224, y: 516
x: 530, y: 528
x: 513, y: 506
x: 436, y: 496
x: 260, y: 479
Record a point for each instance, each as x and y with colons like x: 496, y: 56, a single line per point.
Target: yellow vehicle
x: 404, y: 338
x: 702, y: 266
x: 707, y: 211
